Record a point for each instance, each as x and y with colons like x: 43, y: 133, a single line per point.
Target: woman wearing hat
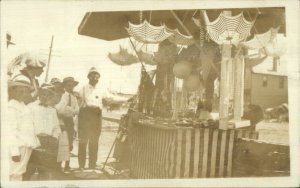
x: 20, y: 126
x: 89, y: 120
x: 67, y: 109
x: 46, y: 125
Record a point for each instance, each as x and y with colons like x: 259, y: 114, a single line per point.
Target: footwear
x: 67, y: 168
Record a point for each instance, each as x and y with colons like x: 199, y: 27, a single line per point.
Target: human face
x: 38, y: 71
x: 46, y: 97
x: 69, y: 86
x: 94, y: 78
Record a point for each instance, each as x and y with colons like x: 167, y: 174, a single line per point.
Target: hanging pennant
x: 228, y: 29
x: 147, y: 33
x: 122, y: 57
x: 261, y: 40
x: 180, y: 39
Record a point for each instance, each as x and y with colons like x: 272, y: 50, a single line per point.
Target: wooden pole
x: 224, y: 80
x: 49, y: 58
x: 239, y: 65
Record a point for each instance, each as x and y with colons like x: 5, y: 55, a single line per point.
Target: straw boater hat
x: 70, y: 79
x: 93, y: 70
x: 20, y: 80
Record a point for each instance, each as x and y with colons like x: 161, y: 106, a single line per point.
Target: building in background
x: 266, y: 84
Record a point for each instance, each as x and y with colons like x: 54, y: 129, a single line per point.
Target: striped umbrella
x: 228, y: 29
x: 147, y: 33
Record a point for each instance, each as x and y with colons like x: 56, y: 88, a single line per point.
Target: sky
x: 32, y: 24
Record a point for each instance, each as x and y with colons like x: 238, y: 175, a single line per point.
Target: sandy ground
x: 270, y: 132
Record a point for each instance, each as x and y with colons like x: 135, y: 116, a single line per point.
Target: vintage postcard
x: 150, y: 93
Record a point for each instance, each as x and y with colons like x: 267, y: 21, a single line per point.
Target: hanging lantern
x: 193, y: 82
x: 182, y: 69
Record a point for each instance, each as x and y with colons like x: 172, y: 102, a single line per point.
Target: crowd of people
x: 44, y: 120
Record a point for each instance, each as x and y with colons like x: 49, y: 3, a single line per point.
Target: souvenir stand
x: 165, y: 138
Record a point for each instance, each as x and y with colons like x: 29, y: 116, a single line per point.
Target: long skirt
x: 63, y: 147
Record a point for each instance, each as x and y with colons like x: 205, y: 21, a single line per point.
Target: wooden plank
x: 165, y: 153
x: 214, y: 153
x: 172, y: 154
x: 187, y: 153
x: 167, y: 166
x: 222, y: 154
x: 196, y: 153
x: 230, y: 150
x: 205, y: 153
x: 152, y: 161
x: 178, y: 153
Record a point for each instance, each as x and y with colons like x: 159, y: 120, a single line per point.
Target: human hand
x: 16, y: 158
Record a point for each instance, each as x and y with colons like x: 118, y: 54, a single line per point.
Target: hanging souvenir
x: 147, y: 33
x: 182, y: 69
x: 275, y: 48
x: 147, y: 58
x: 180, y: 39
x: 228, y: 29
x: 166, y: 53
x: 122, y: 57
x: 261, y: 40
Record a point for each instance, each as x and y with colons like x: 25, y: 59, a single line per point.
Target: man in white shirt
x: 21, y: 128
x: 89, y: 125
x: 67, y: 108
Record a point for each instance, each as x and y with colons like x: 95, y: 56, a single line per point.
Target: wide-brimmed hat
x: 34, y: 60
x: 70, y: 79
x: 55, y: 81
x: 20, y: 80
x: 93, y: 70
x: 47, y: 87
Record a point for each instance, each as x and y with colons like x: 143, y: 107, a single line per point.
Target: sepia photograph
x: 150, y: 94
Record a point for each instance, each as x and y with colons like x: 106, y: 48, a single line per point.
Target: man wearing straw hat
x: 21, y: 128
x: 67, y: 108
x: 89, y: 125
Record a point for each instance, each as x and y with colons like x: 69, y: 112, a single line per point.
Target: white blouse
x: 45, y: 120
x: 21, y: 127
